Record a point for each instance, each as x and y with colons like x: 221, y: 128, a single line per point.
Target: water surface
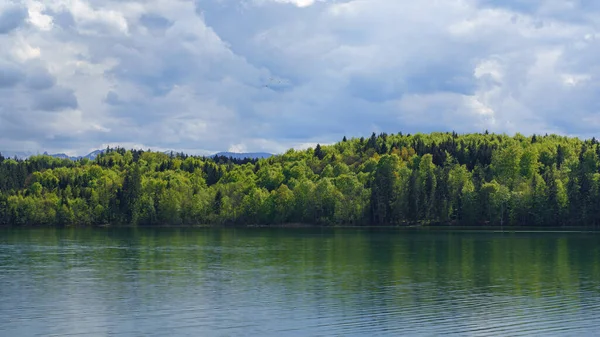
x: 297, y: 282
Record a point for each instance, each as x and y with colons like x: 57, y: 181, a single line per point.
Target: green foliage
x: 383, y: 191
x: 385, y: 179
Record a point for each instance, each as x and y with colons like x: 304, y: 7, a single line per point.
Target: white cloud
x: 575, y: 79
x: 238, y: 148
x: 298, y: 3
x: 37, y: 17
x: 266, y: 75
x: 23, y: 51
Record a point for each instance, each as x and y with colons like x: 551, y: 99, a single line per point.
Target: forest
x: 477, y: 179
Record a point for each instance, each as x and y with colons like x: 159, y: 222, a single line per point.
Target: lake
x: 297, y: 282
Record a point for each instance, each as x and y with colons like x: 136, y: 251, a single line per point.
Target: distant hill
x: 92, y: 155
x: 61, y: 156
x: 234, y: 155
x: 24, y: 155
x: 253, y: 155
x: 18, y: 154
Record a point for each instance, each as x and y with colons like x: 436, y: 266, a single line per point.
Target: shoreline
x: 295, y: 225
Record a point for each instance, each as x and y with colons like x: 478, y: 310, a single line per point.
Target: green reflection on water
x: 335, y: 271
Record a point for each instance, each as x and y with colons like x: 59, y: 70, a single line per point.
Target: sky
x: 267, y: 75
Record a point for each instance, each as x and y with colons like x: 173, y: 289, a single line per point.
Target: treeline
x: 387, y: 179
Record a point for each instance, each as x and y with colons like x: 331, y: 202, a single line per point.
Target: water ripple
x: 215, y: 283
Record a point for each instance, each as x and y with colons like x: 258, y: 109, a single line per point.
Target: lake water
x: 297, y: 282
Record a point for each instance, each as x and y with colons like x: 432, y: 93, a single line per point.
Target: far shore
x: 297, y: 225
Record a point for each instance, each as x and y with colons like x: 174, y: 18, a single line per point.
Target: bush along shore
x: 478, y: 179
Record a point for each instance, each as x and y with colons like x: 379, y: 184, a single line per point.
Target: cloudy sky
x: 265, y: 75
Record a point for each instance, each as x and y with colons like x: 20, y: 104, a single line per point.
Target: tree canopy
x: 386, y: 179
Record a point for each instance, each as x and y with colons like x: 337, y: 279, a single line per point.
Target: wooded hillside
x: 387, y: 179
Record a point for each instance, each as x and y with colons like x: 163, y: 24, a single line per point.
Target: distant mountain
x: 92, y: 155
x: 18, y: 154
x: 61, y: 156
x: 235, y: 155
x: 24, y: 155
x: 253, y: 155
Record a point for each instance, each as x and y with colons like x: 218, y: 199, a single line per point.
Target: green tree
x: 130, y: 195
x: 382, y: 191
